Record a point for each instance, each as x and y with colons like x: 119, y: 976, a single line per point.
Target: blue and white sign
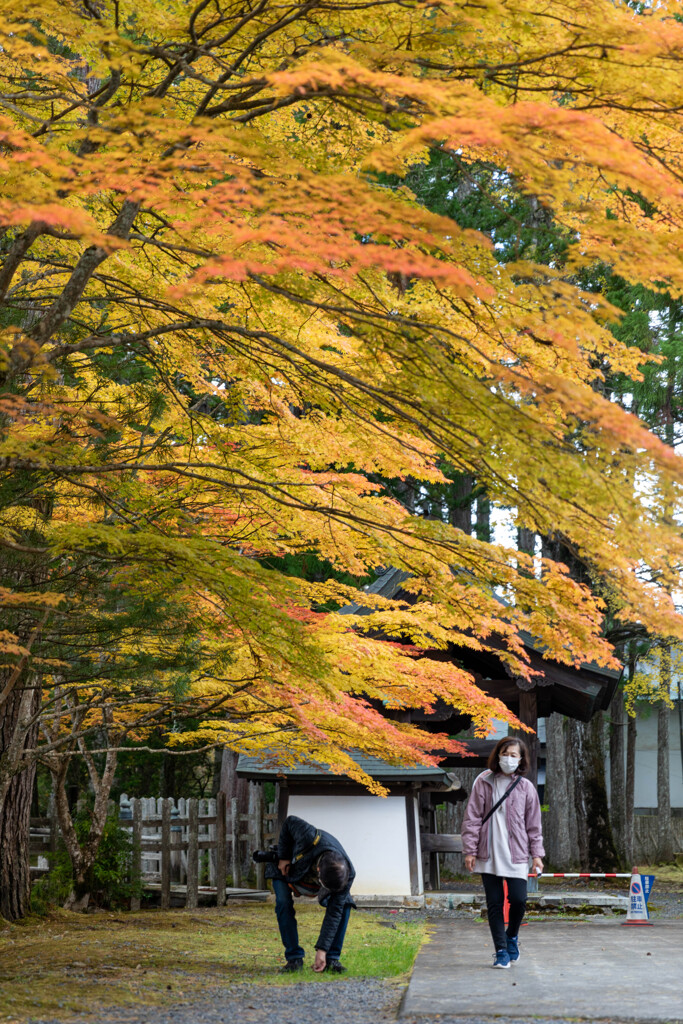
x: 641, y: 887
x: 647, y: 882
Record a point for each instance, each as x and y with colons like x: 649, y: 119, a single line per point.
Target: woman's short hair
x: 334, y: 871
x: 500, y: 748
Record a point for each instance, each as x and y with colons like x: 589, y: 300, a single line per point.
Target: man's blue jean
x: 289, y: 933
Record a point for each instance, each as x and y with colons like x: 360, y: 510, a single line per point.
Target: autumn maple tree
x: 226, y: 321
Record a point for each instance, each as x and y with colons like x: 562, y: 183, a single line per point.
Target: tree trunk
x: 526, y: 540
x: 17, y: 734
x: 665, y: 842
x: 83, y: 855
x: 168, y: 783
x: 617, y: 774
x: 235, y: 787
x: 460, y: 502
x: 452, y: 819
x: 630, y: 795
x: 483, y: 527
x: 560, y: 843
x: 585, y: 748
x: 665, y: 839
x: 595, y: 843
x: 576, y: 744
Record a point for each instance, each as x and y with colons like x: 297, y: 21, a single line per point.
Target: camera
x: 268, y: 856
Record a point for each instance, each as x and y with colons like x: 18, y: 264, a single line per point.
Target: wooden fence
x: 191, y: 846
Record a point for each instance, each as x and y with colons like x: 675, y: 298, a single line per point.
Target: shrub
x: 109, y: 881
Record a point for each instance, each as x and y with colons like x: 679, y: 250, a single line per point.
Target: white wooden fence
x: 188, y: 846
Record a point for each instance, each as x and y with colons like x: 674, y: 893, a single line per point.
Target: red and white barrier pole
x: 581, y: 874
x: 639, y: 890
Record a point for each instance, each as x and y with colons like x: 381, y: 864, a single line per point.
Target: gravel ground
x: 354, y: 1002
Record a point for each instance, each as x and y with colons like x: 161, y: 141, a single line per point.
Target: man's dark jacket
x: 297, y: 837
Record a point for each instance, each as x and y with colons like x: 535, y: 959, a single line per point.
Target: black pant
x: 493, y: 887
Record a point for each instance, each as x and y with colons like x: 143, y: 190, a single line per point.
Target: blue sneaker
x: 501, y: 958
x: 513, y: 949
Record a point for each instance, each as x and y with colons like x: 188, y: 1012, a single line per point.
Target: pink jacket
x: 522, y: 814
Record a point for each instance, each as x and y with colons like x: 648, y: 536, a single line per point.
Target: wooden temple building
x: 393, y: 841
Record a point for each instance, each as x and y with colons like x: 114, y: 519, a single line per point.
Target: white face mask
x: 508, y: 763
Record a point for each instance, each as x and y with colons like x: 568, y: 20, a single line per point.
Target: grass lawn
x: 669, y: 874
x: 64, y: 963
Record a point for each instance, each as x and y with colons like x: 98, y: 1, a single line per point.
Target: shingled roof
x: 265, y: 769
x: 577, y: 692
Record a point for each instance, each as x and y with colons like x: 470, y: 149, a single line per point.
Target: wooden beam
x: 441, y: 843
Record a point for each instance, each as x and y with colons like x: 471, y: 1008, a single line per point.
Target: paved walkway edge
x: 588, y: 970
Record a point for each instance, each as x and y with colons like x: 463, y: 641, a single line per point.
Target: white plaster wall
x: 372, y: 830
x: 646, y: 761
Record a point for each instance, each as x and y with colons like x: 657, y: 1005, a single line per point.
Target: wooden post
x: 192, y: 854
x: 176, y: 844
x: 210, y: 811
x: 54, y: 823
x: 413, y: 844
x: 434, y: 873
x: 166, y: 854
x: 235, y: 842
x: 182, y: 810
x: 258, y: 833
x: 282, y: 796
x: 528, y: 714
x: 136, y: 852
x: 221, y: 851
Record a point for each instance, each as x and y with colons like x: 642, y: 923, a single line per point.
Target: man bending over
x: 312, y: 863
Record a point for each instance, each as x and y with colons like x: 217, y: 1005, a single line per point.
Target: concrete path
x: 566, y: 970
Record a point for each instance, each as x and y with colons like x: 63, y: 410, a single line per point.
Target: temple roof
x: 263, y: 769
x: 576, y: 692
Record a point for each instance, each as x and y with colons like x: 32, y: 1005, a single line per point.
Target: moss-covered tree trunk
x: 560, y: 832
x: 665, y: 839
x: 617, y: 774
x: 18, y: 732
x: 629, y: 825
x: 595, y: 842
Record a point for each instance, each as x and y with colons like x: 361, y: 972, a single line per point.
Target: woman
x: 499, y: 844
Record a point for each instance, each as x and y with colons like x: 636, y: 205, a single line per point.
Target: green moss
x: 64, y: 963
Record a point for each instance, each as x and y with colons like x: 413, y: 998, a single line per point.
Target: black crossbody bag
x: 504, y: 797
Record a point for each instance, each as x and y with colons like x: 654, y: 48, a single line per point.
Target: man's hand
x: 469, y: 861
x: 283, y: 866
x: 320, y: 962
x: 537, y: 865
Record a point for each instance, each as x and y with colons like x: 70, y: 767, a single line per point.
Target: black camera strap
x: 308, y: 849
x: 305, y: 886
x: 504, y: 797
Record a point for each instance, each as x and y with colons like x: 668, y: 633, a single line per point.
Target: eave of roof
x: 388, y: 584
x: 265, y: 769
